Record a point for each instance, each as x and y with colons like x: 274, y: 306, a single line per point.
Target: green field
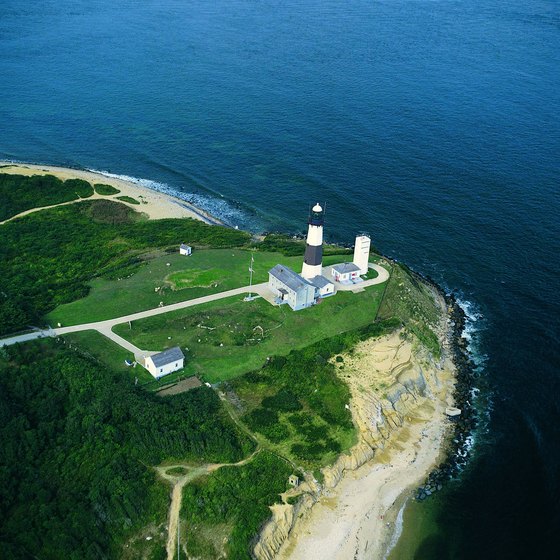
x: 229, y: 337
x: 204, y: 272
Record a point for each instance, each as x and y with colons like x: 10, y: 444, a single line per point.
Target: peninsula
x: 199, y: 396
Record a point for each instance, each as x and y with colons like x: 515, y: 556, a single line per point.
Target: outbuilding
x: 185, y: 249
x: 165, y: 362
x: 289, y: 287
x: 323, y: 286
x: 345, y: 273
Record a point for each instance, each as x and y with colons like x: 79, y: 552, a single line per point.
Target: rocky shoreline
x: 464, y: 425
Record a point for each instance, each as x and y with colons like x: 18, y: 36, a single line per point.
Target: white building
x: 289, y: 287
x: 165, y: 362
x: 361, y: 253
x: 185, y: 249
x: 346, y: 273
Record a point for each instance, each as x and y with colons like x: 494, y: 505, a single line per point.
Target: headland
x: 392, y: 373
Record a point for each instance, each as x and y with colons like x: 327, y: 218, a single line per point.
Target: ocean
x: 432, y: 125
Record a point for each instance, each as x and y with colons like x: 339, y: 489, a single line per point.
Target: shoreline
x: 360, y: 516
x: 156, y: 204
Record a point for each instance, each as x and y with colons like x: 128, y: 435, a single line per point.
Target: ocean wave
x: 397, y: 531
x: 220, y: 208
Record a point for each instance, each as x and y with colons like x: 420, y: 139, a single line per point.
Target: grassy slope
x: 235, y: 323
x: 413, y: 303
x: 204, y: 272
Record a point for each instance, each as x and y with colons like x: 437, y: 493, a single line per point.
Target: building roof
x: 288, y: 277
x: 167, y: 357
x: 183, y: 246
x: 344, y: 268
x: 320, y: 282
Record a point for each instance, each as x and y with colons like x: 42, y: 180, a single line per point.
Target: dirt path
x: 179, y: 482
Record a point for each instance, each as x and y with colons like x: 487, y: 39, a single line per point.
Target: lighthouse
x: 313, y: 260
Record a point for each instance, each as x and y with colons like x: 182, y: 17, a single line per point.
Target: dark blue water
x: 433, y: 125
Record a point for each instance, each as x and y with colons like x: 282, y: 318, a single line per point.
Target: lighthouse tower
x: 313, y: 260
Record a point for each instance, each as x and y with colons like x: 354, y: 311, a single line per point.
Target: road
x: 106, y: 327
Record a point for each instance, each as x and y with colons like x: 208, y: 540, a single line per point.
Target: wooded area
x: 78, y: 441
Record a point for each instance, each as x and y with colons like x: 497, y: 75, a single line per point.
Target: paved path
x: 106, y: 327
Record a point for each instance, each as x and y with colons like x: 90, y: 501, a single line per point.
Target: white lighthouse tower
x: 313, y: 260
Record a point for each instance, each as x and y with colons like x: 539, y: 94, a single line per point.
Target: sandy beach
x: 356, y: 512
x: 156, y: 205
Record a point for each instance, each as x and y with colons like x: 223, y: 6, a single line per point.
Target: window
x: 160, y: 369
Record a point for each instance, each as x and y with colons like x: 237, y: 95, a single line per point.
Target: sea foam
x: 220, y: 208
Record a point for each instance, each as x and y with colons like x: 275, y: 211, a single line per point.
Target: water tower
x: 313, y: 260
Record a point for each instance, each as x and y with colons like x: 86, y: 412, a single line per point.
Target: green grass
x: 230, y: 335
x: 410, y: 300
x: 107, y: 353
x: 204, y: 272
x: 105, y: 190
x: 128, y: 199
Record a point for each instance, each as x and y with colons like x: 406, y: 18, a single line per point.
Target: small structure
x: 165, y: 362
x: 345, y: 273
x: 185, y: 249
x: 289, y: 287
x: 323, y: 286
x: 361, y: 253
x: 293, y: 481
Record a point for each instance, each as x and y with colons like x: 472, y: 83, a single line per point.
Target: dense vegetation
x: 233, y: 503
x: 105, y: 190
x: 77, y: 443
x: 20, y: 192
x: 290, y: 246
x: 47, y: 258
x: 299, y: 403
x: 128, y: 199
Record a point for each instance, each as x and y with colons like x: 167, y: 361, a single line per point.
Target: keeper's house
x: 165, y: 362
x: 289, y: 287
x: 346, y: 273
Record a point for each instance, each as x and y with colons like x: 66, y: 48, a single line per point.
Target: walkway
x: 105, y: 327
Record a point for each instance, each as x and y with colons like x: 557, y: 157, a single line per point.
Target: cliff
x: 395, y: 383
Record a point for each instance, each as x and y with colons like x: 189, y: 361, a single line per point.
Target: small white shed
x: 185, y: 249
x: 165, y: 362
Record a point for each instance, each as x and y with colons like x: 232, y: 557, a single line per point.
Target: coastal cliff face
x: 394, y: 382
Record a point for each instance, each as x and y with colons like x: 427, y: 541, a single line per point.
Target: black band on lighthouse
x: 313, y: 255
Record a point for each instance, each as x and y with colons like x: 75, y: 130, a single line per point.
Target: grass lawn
x: 229, y: 337
x: 108, y: 353
x: 204, y: 272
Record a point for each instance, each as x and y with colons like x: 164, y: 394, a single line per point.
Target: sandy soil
x: 155, y: 204
x: 357, y: 518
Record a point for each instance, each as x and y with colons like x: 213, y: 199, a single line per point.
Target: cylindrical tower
x: 313, y: 260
